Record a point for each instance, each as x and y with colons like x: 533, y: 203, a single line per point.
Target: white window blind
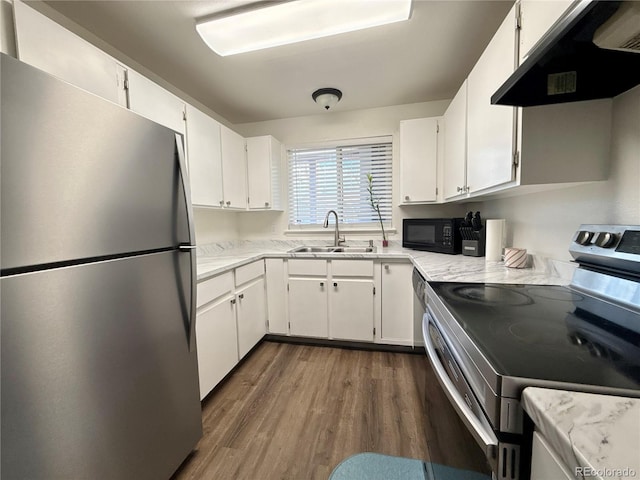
x: 335, y: 178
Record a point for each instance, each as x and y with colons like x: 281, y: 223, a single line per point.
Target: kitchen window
x: 335, y: 178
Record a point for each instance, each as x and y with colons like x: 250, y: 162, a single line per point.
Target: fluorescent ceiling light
x: 297, y: 21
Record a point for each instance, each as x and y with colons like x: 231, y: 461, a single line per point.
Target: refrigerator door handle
x: 190, y: 247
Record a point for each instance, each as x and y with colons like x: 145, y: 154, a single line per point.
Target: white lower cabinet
x: 331, y: 299
x: 231, y: 320
x: 276, y: 296
x: 308, y: 309
x: 396, y: 319
x: 545, y: 462
x: 251, y: 314
x: 217, y: 342
x: 351, y: 309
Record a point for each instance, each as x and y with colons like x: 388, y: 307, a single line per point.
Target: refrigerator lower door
x: 98, y: 381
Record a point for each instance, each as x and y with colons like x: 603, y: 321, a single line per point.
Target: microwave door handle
x: 481, y: 433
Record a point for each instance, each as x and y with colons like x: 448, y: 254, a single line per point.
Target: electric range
x: 487, y: 342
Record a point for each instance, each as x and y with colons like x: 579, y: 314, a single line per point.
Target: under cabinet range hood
x: 592, y: 52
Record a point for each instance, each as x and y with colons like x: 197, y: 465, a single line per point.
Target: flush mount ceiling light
x: 295, y: 21
x: 327, y: 97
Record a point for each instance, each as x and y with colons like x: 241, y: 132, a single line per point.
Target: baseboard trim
x: 325, y: 342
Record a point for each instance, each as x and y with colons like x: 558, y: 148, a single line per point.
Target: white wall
x: 328, y: 126
x: 214, y: 226
x: 544, y: 223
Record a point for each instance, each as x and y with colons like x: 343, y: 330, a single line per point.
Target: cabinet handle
x: 233, y: 301
x: 335, y: 284
x: 241, y: 296
x: 221, y: 203
x: 467, y: 188
x: 266, y: 204
x: 228, y: 203
x: 407, y: 198
x: 386, y: 267
x: 459, y: 189
x: 322, y: 284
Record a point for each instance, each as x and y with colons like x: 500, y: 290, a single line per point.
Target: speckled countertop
x: 599, y: 434
x: 217, y: 258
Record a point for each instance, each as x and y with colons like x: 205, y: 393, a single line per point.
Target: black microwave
x: 441, y: 235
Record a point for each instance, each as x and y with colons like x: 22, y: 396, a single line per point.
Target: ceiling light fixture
x: 295, y: 21
x: 327, y: 97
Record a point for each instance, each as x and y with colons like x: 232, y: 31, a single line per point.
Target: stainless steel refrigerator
x: 99, y: 368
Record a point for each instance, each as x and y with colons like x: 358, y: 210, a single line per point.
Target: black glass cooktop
x: 548, y: 332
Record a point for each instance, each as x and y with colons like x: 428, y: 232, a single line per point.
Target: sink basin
x: 355, y: 249
x: 341, y: 249
x: 305, y: 249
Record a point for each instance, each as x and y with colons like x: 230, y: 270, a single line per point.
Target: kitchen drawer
x: 213, y: 288
x: 249, y: 272
x: 352, y: 268
x: 308, y: 267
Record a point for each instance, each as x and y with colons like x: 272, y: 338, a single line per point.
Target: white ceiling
x: 423, y: 59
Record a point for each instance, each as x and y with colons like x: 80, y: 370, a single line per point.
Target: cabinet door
x: 308, y: 307
x: 276, y: 296
x: 217, y: 343
x: 205, y: 160
x: 491, y: 128
x: 351, y: 309
x: 397, y: 304
x: 545, y: 462
x: 263, y: 155
x: 154, y: 102
x: 46, y: 45
x: 234, y: 169
x: 252, y: 316
x: 537, y: 16
x: 418, y: 160
x: 455, y: 145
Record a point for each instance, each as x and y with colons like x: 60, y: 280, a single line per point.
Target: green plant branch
x: 375, y: 203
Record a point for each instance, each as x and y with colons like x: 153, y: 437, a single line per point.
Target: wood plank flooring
x: 295, y: 412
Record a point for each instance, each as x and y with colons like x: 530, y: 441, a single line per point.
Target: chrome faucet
x: 337, y: 239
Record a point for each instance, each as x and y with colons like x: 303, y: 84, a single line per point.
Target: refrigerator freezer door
x: 82, y: 177
x: 97, y: 377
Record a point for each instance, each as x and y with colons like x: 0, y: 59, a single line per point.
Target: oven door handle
x: 483, y: 434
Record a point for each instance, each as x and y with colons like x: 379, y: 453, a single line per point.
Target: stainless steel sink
x: 341, y: 249
x: 354, y: 249
x: 306, y: 249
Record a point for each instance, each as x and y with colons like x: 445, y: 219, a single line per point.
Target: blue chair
x: 375, y: 466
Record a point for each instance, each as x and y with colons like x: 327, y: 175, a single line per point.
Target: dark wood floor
x: 295, y: 412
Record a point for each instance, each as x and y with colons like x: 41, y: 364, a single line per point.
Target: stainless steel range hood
x: 591, y: 52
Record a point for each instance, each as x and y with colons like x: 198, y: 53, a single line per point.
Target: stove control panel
x: 613, y: 246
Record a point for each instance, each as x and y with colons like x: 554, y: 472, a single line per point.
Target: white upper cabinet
x: 491, y: 128
x: 264, y: 158
x: 154, y: 102
x: 529, y: 148
x: 234, y: 169
x: 536, y: 17
x: 455, y: 146
x: 205, y: 159
x: 418, y: 160
x: 46, y: 45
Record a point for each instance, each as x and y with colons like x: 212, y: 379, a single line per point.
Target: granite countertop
x: 217, y: 258
x: 598, y: 433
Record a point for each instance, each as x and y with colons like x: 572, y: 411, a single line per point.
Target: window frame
x: 362, y: 227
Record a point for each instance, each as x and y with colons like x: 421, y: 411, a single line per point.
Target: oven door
x: 503, y: 456
x: 457, y: 389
